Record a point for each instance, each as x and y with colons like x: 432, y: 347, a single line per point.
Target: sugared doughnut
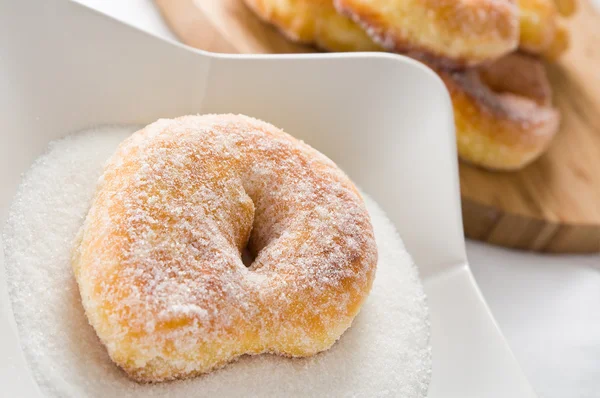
x: 314, y: 22
x: 159, y: 263
x: 450, y: 33
x: 503, y: 113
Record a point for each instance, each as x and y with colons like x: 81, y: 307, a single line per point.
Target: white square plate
x: 385, y: 119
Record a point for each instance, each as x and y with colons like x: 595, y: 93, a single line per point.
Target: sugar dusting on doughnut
x: 452, y: 34
x: 385, y: 351
x: 159, y: 256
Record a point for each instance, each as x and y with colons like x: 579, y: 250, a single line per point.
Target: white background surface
x: 547, y: 306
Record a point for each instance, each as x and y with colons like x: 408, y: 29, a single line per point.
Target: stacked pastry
x: 488, y: 53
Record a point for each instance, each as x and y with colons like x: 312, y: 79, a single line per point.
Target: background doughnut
x: 314, y: 22
x: 452, y: 33
x: 502, y: 112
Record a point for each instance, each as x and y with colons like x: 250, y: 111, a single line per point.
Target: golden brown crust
x: 450, y: 33
x: 502, y: 112
x: 566, y: 8
x: 559, y: 44
x: 518, y: 74
x: 158, y: 259
x: 542, y: 30
x: 314, y: 22
x: 537, y: 24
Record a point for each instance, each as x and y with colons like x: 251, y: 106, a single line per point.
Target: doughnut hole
x: 247, y: 257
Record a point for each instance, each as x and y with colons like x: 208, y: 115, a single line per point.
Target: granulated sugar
x: 384, y: 353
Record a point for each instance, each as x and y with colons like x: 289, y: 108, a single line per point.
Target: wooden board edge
x: 487, y: 224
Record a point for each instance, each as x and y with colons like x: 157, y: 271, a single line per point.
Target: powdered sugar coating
x: 384, y: 353
x: 159, y: 261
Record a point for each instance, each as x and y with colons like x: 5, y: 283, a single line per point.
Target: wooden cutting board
x: 552, y: 205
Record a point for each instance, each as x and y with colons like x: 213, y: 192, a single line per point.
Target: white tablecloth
x: 548, y: 307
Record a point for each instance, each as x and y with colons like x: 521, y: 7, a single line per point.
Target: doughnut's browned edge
x: 503, y: 114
